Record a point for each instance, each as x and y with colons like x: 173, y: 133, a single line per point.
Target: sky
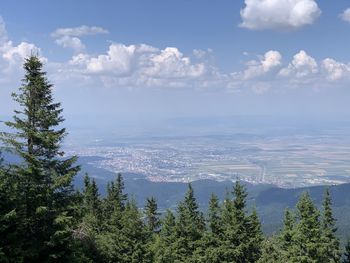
x: 139, y: 61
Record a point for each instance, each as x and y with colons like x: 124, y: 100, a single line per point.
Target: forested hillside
x: 43, y: 219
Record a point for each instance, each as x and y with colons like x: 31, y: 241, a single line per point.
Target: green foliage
x: 152, y: 215
x: 189, y: 227
x: 330, y: 242
x: 164, y: 251
x: 346, y: 258
x: 42, y: 182
x: 242, y: 236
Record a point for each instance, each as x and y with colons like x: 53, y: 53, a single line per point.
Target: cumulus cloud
x: 301, y: 66
x: 11, y: 55
x: 79, y: 31
x: 345, y: 15
x: 171, y: 63
x: 335, y: 70
x: 270, y: 61
x: 141, y: 65
x: 70, y: 42
x: 69, y: 37
x: 119, y: 59
x: 279, y: 14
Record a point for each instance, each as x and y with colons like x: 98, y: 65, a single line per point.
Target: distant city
x: 288, y: 161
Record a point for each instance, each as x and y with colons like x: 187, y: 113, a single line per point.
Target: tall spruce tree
x: 288, y: 231
x: 190, y: 226
x: 255, y: 237
x: 44, y: 177
x: 207, y: 249
x: 214, y: 216
x: 307, y: 242
x: 133, y: 236
x: 152, y: 225
x: 91, y: 197
x: 114, y: 203
x: 109, y: 238
x: 330, y: 242
x: 164, y: 244
x: 152, y: 215
x: 235, y: 243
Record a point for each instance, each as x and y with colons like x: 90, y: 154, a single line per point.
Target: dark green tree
x: 164, y: 243
x: 92, y: 202
x: 114, y: 203
x: 271, y: 251
x: 214, y: 216
x: 190, y: 226
x: 152, y: 225
x: 346, y: 257
x: 255, y: 237
x: 307, y: 240
x: 288, y: 231
x: 152, y: 215
x: 235, y: 242
x: 330, y: 242
x: 207, y: 249
x: 44, y: 177
x: 9, y: 248
x: 133, y: 236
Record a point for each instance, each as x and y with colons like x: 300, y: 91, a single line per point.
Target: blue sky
x: 144, y: 60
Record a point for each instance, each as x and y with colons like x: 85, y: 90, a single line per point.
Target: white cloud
x: 71, y: 42
x: 119, y: 59
x: 142, y: 65
x: 270, y: 61
x: 335, y: 70
x: 11, y: 55
x: 69, y: 37
x: 301, y: 66
x: 170, y: 63
x: 79, y: 31
x: 279, y: 14
x: 345, y: 15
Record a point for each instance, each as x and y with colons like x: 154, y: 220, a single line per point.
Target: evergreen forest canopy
x: 44, y: 219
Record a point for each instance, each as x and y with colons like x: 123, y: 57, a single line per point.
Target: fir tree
x: 287, y: 234
x: 330, y: 248
x: 190, y: 226
x: 214, y: 216
x: 307, y: 244
x: 255, y: 237
x: 271, y: 251
x: 164, y: 244
x: 133, y: 236
x: 346, y: 257
x: 91, y: 197
x: 152, y: 225
x: 152, y: 215
x: 44, y: 177
x: 9, y: 248
x: 115, y: 201
x: 235, y: 243
x: 207, y: 249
